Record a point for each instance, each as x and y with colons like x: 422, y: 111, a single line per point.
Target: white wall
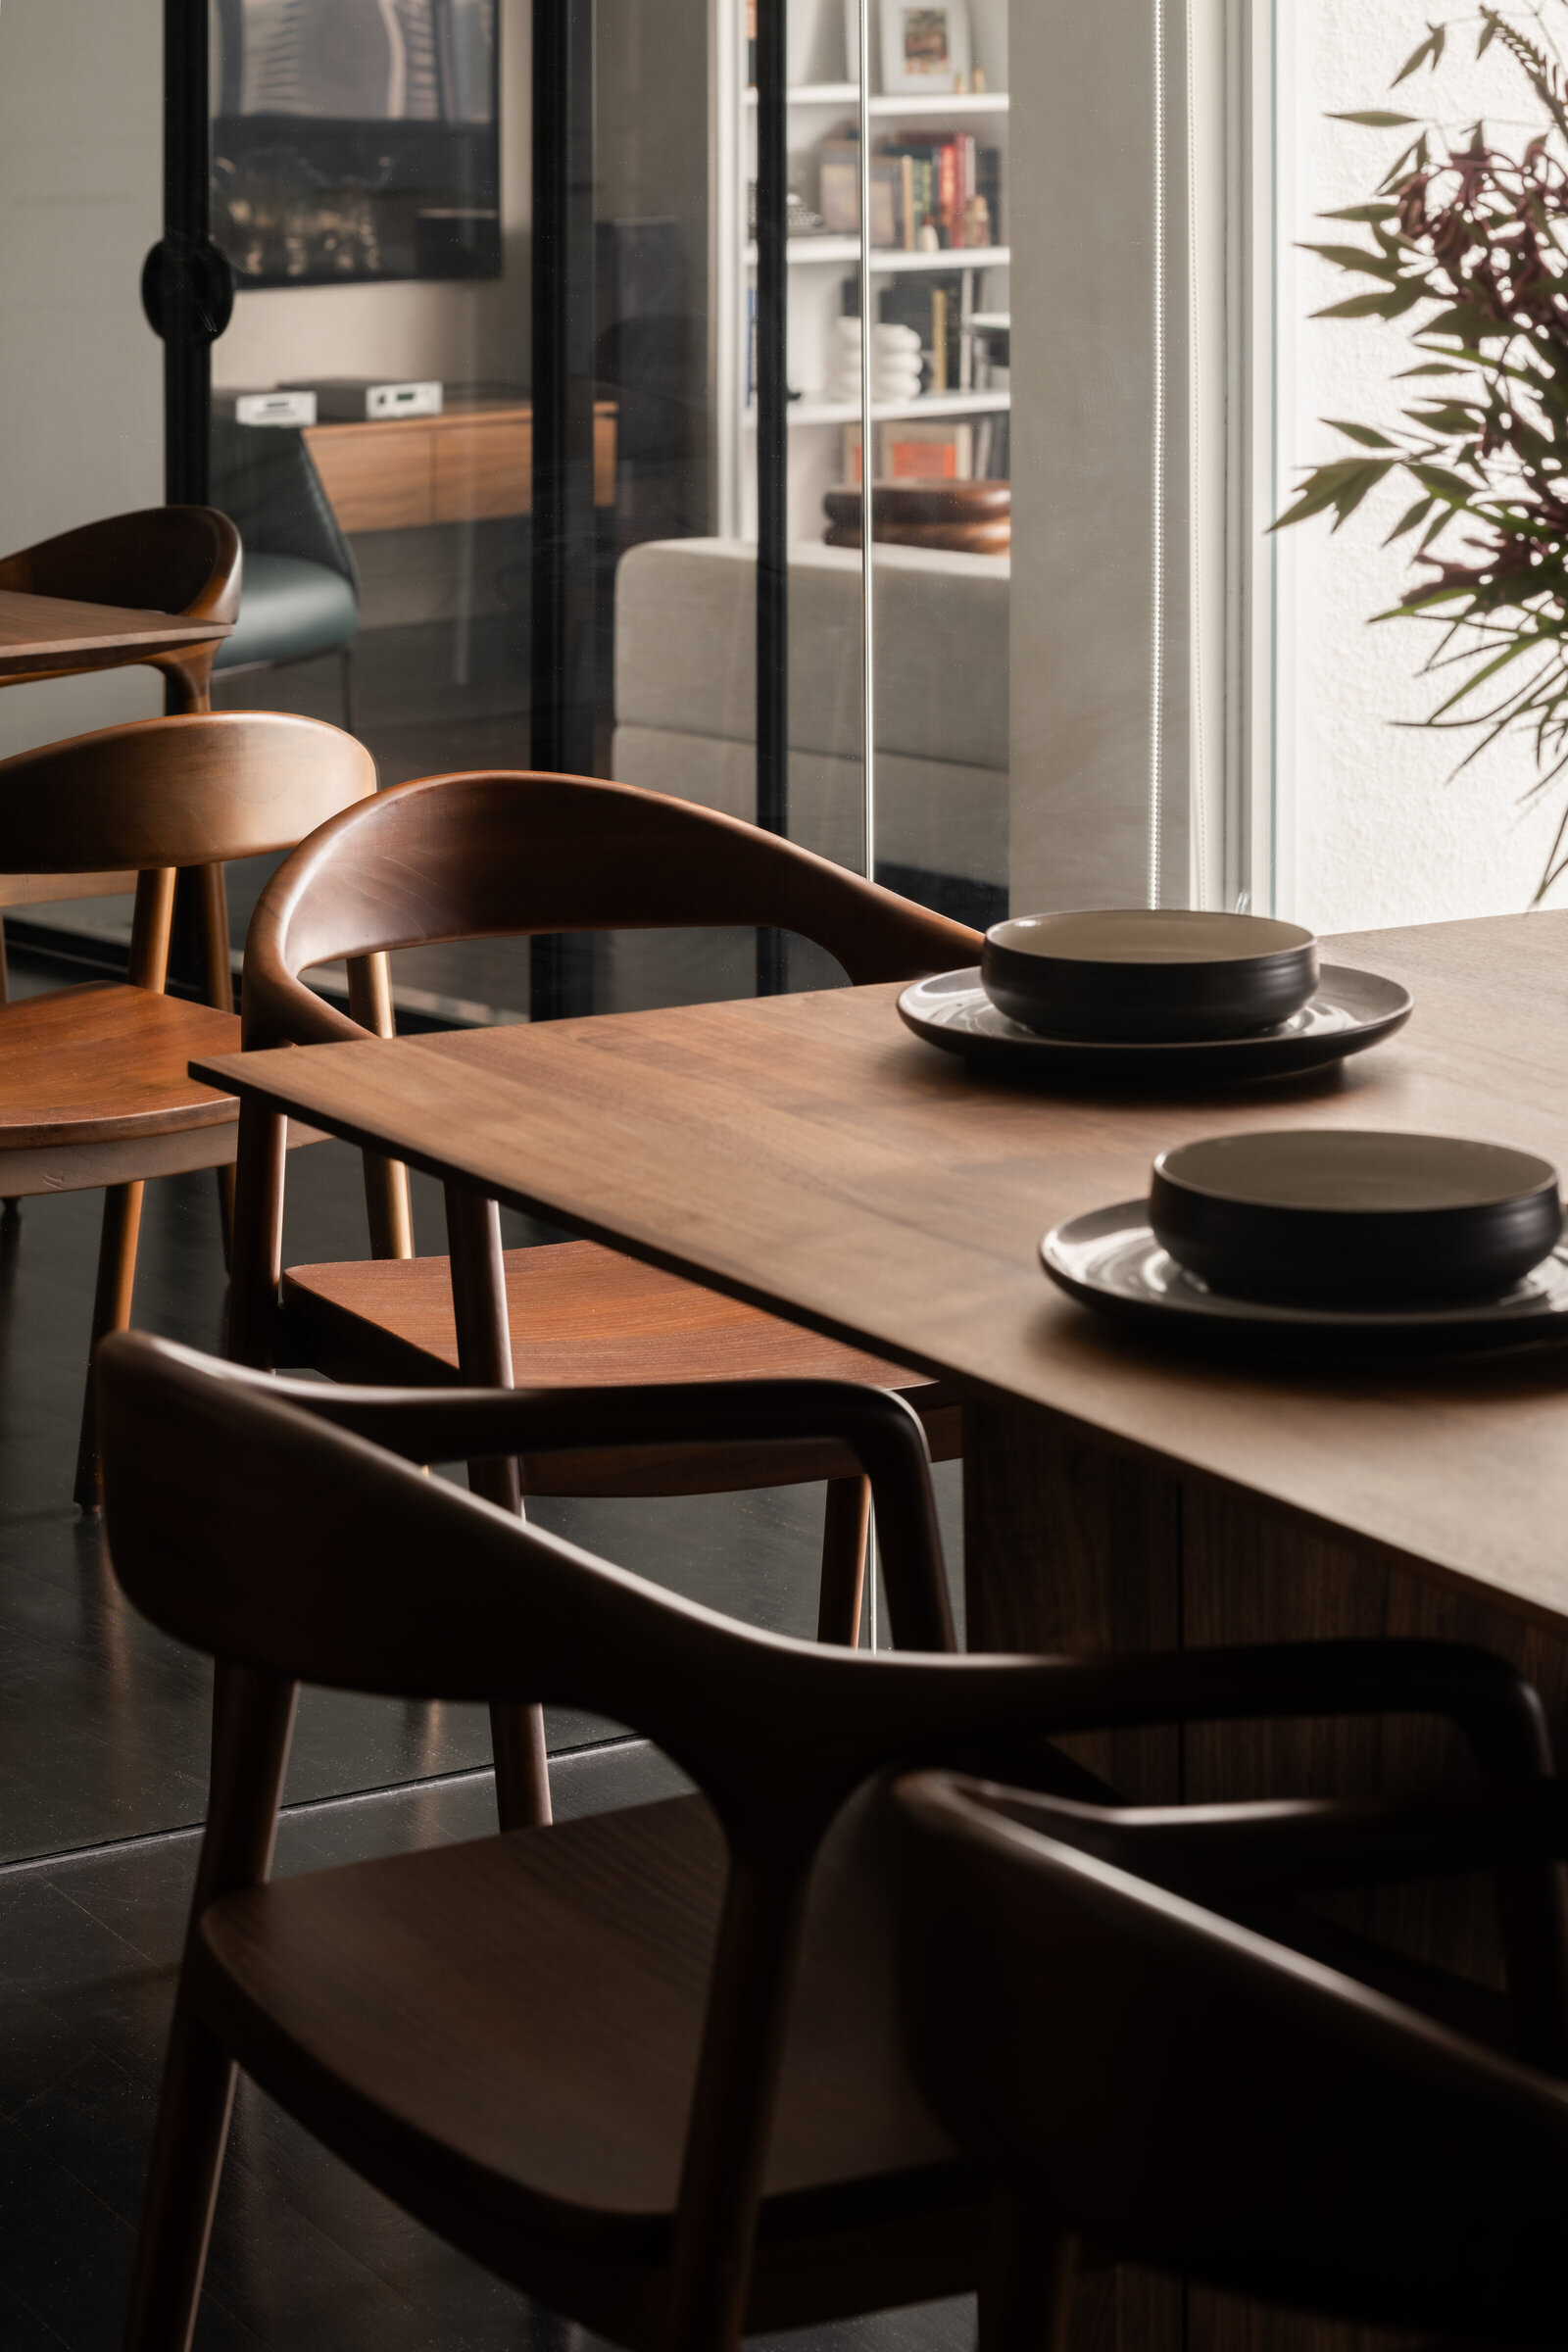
x: 80, y: 372
x: 1380, y: 834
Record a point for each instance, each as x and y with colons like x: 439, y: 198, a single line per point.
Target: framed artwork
x: 925, y: 48
x: 355, y: 140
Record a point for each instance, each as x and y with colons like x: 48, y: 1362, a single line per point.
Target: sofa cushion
x: 931, y: 815
x: 685, y: 648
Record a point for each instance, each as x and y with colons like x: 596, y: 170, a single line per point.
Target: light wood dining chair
x: 1103, y: 2015
x: 468, y: 857
x: 183, y: 560
x: 646, y: 2065
x: 94, y: 1084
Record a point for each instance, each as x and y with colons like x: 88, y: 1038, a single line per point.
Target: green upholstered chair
x: 300, y: 588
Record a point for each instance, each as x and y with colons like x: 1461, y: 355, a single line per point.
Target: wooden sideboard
x: 471, y: 463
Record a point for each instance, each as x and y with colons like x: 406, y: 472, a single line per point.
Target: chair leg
x: 187, y: 2164
x: 219, y: 984
x: 5, y: 976
x: 484, y: 1360
x: 846, y: 1523
x: 1026, y: 2297
x: 111, y: 1311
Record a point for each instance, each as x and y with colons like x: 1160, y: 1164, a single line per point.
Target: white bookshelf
x: 823, y: 104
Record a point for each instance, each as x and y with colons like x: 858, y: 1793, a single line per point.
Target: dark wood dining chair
x: 183, y: 560
x: 1102, y: 2013
x: 94, y: 1084
x: 475, y: 855
x: 645, y: 2065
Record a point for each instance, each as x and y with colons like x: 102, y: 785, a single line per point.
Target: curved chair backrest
x: 172, y: 791
x: 161, y: 559
x: 1193, y: 2095
x: 470, y: 857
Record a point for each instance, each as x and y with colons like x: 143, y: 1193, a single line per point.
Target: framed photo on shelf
x: 925, y: 47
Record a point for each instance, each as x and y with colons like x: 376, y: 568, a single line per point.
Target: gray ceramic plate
x: 1351, y: 1012
x: 1111, y: 1260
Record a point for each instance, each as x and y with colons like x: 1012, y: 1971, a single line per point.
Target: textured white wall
x: 1381, y: 836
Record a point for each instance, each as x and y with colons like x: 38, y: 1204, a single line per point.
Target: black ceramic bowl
x: 1347, y: 1218
x: 1148, y: 973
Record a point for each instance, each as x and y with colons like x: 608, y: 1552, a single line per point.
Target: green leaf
x: 1373, y: 305
x: 1352, y: 495
x: 1323, y: 487
x: 1489, y: 33
x: 1376, y: 118
x: 1355, y: 256
x: 1431, y: 49
x: 1360, y: 432
x: 1363, y: 211
x: 1408, y: 520
x: 1451, y: 488
x: 1487, y: 669
x: 1430, y: 368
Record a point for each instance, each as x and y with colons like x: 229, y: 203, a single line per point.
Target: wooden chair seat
x: 539, y: 2089
x: 582, y: 1316
x: 84, y: 1069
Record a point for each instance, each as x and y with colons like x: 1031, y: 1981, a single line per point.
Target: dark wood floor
x: 103, y: 1729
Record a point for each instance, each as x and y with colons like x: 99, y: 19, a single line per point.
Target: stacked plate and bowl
x: 1153, y: 995
x: 1307, y: 1241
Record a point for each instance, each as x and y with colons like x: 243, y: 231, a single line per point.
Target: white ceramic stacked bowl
x: 895, y: 363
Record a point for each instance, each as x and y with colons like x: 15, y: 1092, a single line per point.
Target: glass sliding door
x: 371, y: 425
x: 81, y: 384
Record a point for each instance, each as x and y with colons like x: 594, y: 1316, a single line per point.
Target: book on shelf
x: 941, y: 450
x: 917, y: 451
x: 931, y: 306
x: 916, y: 183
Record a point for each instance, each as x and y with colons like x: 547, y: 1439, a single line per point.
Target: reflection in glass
x: 357, y: 139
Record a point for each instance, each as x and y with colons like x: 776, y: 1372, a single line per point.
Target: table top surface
x: 46, y: 630
x: 808, y: 1154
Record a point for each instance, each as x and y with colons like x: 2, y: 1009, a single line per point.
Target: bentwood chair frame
x: 184, y: 559
x: 343, y: 1566
x: 94, y: 1084
x: 498, y: 854
x: 1101, y: 2012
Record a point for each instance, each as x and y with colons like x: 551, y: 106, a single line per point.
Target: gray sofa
x: 685, y: 623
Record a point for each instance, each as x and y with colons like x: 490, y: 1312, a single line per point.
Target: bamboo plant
x: 1469, y: 245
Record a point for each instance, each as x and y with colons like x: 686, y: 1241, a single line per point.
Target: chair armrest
x: 874, y: 1425
x: 1214, y: 1854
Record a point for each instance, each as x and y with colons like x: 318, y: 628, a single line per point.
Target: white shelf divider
x: 845, y: 93
x: 891, y: 260
x: 893, y: 412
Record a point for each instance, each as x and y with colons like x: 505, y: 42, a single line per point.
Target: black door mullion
x: 772, y: 455
x: 565, y: 567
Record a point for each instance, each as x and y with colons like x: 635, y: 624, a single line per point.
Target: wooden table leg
x: 1067, y: 1547
x: 1071, y: 1546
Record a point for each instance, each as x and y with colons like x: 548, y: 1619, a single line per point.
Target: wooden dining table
x: 807, y: 1155
x: 52, y: 636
